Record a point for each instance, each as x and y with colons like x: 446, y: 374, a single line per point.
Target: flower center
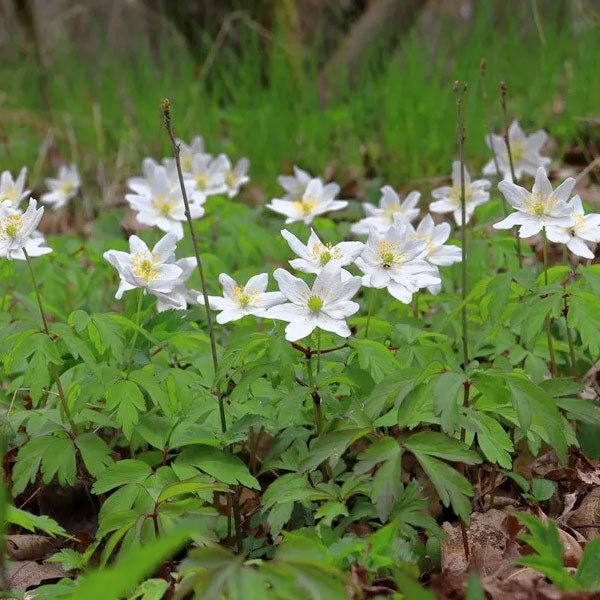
x: 388, y: 253
x: 390, y: 210
x: 579, y: 222
x: 143, y: 264
x: 186, y: 161
x: 202, y: 180
x: 230, y: 178
x: 538, y: 204
x: 517, y: 149
x: 244, y: 298
x: 455, y: 194
x: 426, y: 238
x: 306, y: 205
x: 323, y: 253
x: 66, y: 187
x: 11, y: 226
x: 315, y: 303
x: 163, y: 204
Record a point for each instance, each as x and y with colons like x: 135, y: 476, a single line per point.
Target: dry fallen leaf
x: 27, y: 547
x: 26, y: 574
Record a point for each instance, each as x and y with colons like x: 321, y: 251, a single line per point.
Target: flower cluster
x: 19, y: 236
x: 157, y: 197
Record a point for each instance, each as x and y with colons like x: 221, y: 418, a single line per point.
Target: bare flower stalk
x: 460, y: 94
x: 553, y: 370
x: 53, y: 367
x: 510, y: 161
x: 486, y: 121
x: 234, y: 496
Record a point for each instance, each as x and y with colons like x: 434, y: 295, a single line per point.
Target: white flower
x: 436, y: 251
x: 188, y: 151
x: 397, y: 261
x: 316, y: 255
x: 585, y: 229
x: 390, y: 204
x: 180, y: 296
x: 238, y: 301
x: 13, y: 189
x: 159, y: 201
x: 63, y: 188
x: 448, y: 197
x: 525, y: 151
x: 141, y: 268
x: 316, y: 200
x: 326, y: 305
x: 235, y: 177
x: 209, y: 173
x: 542, y: 207
x: 295, y: 185
x: 18, y: 231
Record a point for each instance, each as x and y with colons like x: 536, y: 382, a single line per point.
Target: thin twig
x: 53, y: 367
x: 460, y: 94
x: 510, y: 161
x: 166, y: 111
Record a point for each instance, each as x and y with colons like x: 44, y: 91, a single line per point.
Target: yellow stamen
x: 230, y: 178
x: 306, y: 205
x: 143, y: 264
x: 323, y: 253
x: 388, y: 253
x: 455, y: 194
x: 11, y: 226
x: 244, y: 298
x: 163, y: 204
x: 517, y: 149
x: 202, y: 180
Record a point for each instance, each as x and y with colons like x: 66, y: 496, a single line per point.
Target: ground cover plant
x: 390, y: 393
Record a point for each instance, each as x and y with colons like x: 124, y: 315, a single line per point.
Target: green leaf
x: 95, y: 453
x: 222, y: 465
x: 188, y: 486
x: 588, y: 573
x: 448, y: 393
x: 375, y: 358
x: 52, y: 455
x: 493, y: 441
x: 26, y: 520
x: 330, y: 445
x: 452, y: 488
x: 147, y: 381
x: 126, y: 398
x: 542, y: 489
x: 442, y: 446
x: 549, y: 558
x: 532, y: 402
x: 114, y: 582
x: 123, y: 472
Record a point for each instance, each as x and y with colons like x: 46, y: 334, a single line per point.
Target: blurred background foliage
x: 354, y: 89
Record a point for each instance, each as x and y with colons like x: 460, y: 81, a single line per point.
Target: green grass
x: 400, y: 109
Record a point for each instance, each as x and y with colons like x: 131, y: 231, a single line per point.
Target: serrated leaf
x: 188, y: 486
x: 95, y: 453
x: 222, y: 465
x: 126, y: 471
x: 448, y: 393
x: 442, y: 446
x: 125, y: 397
x: 331, y: 445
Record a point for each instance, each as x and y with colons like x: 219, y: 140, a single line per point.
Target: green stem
x: 53, y: 367
x: 570, y: 339
x: 318, y: 350
x: 548, y: 332
x: 135, y: 333
x: 369, y: 311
